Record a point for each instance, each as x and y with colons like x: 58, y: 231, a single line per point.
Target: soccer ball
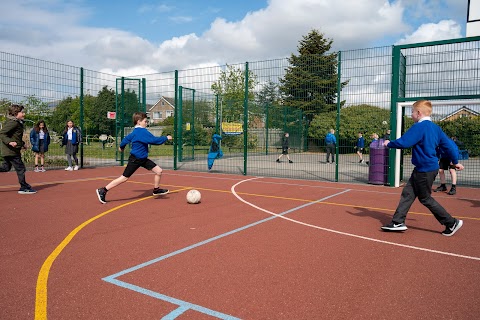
x: 194, y: 196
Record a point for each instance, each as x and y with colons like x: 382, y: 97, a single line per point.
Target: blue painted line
x: 183, y: 305
x: 175, y: 313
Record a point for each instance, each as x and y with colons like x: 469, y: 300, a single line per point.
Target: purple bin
x: 378, y: 169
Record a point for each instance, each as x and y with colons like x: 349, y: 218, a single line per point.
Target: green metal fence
x: 253, y: 104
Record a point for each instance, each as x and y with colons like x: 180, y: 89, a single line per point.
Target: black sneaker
x: 440, y: 188
x: 290, y: 161
x: 278, y: 160
x: 450, y: 231
x: 452, y: 191
x: 101, y: 193
x: 159, y: 192
x: 392, y: 226
x: 27, y: 191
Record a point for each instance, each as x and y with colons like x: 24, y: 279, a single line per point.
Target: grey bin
x: 378, y: 165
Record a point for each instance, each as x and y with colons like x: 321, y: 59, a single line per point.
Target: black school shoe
x: 101, y: 193
x: 27, y: 191
x: 452, y: 191
x: 440, y: 188
x: 159, y: 192
x: 450, y: 231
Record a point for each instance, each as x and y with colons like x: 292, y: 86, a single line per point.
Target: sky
x: 142, y: 37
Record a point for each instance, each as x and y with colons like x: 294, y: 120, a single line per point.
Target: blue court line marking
x: 184, y: 305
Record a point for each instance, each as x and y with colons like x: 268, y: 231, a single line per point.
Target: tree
x: 230, y: 86
x: 354, y: 119
x: 104, y: 102
x: 67, y: 109
x: 36, y: 109
x: 310, y: 82
x: 4, y: 105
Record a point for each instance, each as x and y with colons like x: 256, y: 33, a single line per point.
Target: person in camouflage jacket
x: 11, y: 136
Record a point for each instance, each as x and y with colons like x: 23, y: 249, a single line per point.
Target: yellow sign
x: 187, y: 126
x: 232, y: 128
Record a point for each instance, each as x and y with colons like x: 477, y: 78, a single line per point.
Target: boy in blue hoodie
x: 140, y: 138
x: 423, y: 137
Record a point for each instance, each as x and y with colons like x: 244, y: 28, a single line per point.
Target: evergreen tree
x: 310, y: 82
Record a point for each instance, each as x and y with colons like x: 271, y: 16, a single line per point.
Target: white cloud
x: 273, y: 32
x: 446, y: 29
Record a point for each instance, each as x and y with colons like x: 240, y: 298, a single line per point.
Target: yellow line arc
x: 41, y: 288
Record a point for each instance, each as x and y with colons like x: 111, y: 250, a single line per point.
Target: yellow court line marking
x: 301, y: 200
x: 41, y: 288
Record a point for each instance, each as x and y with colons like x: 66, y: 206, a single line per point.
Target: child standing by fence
x: 40, y: 139
x: 72, y: 137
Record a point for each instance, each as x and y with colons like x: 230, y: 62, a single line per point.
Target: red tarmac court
x: 254, y: 248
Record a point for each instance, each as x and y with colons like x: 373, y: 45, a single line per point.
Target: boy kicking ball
x: 140, y: 138
x: 424, y: 137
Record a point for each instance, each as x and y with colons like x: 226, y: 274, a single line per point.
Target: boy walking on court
x: 140, y: 138
x: 424, y: 137
x: 12, y: 144
x: 285, y: 148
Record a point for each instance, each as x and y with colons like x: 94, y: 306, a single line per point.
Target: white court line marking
x: 346, y: 233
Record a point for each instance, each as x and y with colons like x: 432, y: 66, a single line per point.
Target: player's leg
x: 406, y: 200
x: 36, y: 161
x: 444, y: 164
x: 130, y: 169
x: 150, y: 165
x: 19, y: 166
x: 453, y: 190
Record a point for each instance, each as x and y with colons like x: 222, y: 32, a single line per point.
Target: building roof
x: 460, y: 110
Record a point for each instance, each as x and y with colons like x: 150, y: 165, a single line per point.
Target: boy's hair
x: 424, y: 106
x: 332, y: 130
x: 138, y: 116
x: 14, y: 109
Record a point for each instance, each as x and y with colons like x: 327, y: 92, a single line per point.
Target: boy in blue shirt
x: 424, y: 137
x: 330, y: 142
x: 140, y: 138
x: 360, y: 145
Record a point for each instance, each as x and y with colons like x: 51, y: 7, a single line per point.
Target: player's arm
x: 408, y: 140
x: 125, y: 141
x: 5, y: 133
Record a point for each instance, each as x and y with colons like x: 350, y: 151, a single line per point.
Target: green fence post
x: 217, y: 119
x: 393, y: 112
x: 245, y: 121
x: 81, y: 116
x: 122, y: 125
x: 337, y: 125
x: 144, y: 95
x: 266, y: 128
x: 175, y: 124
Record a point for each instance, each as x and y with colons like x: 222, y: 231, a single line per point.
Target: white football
x: 194, y: 196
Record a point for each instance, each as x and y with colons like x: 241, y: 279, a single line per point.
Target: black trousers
x: 331, y: 151
x: 17, y: 163
x: 420, y: 186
